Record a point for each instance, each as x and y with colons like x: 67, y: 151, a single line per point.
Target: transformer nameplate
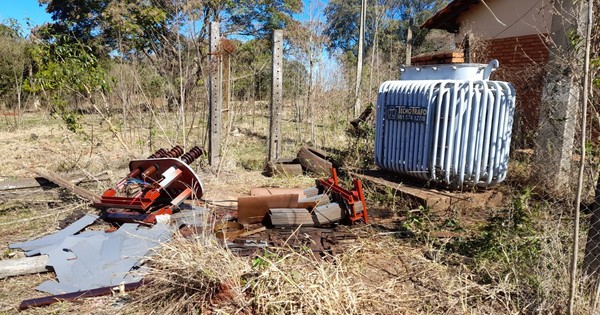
x: 406, y: 113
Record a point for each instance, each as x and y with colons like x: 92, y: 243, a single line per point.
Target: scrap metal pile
x: 159, y: 198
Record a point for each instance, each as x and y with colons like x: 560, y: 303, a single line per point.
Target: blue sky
x: 23, y: 10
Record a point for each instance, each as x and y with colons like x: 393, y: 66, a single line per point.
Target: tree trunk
x: 363, y: 13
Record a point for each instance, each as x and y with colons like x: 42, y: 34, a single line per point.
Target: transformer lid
x: 460, y: 71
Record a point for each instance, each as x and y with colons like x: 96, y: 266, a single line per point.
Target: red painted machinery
x: 156, y: 185
x: 353, y: 201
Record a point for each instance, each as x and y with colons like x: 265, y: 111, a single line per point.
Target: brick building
x: 514, y: 32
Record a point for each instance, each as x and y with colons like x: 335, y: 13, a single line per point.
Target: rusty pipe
x: 158, y: 154
x: 149, y: 171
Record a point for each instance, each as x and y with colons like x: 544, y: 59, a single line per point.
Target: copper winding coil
x: 175, y: 152
x: 192, y: 155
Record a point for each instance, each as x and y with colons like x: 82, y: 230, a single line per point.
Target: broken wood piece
x: 254, y: 209
x: 314, y: 160
x: 327, y: 214
x: 26, y: 183
x: 248, y: 233
x: 311, y: 191
x: 23, y: 266
x: 48, y: 300
x: 314, y: 201
x: 267, y: 191
x: 228, y: 230
x: 289, y: 217
x: 284, y: 167
x: 23, y: 183
x: 55, y: 178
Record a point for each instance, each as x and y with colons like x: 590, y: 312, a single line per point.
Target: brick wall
x: 438, y: 58
x: 522, y: 62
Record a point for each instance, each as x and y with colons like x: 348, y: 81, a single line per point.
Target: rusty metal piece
x: 192, y: 155
x: 175, y: 152
x: 314, y: 160
x: 48, y: 300
x: 149, y: 171
x: 172, y: 184
x: 353, y: 200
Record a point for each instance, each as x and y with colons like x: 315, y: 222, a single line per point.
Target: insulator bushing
x: 175, y: 152
x: 192, y: 155
x: 160, y: 153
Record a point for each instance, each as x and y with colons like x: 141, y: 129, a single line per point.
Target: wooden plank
x: 57, y: 179
x: 36, y: 182
x: 430, y: 198
x: 23, y: 183
x: 23, y: 266
x: 282, y: 167
x: 266, y: 191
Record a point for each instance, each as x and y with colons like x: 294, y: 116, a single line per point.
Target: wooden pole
x: 215, y: 86
x: 276, y: 97
x: 23, y: 266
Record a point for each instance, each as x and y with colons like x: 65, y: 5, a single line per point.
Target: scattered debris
x: 290, y: 217
x: 314, y: 160
x: 23, y: 266
x: 55, y: 178
x: 147, y: 207
x: 284, y: 167
x: 49, y: 300
x: 253, y: 209
x: 352, y: 201
x: 32, y: 248
x: 266, y: 191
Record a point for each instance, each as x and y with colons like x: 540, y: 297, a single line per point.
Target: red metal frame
x: 350, y: 197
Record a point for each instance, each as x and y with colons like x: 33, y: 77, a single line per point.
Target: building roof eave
x: 447, y: 18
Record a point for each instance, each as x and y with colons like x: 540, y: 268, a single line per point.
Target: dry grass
x: 374, y: 275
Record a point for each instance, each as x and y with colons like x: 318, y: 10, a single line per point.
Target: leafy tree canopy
x: 389, y: 17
